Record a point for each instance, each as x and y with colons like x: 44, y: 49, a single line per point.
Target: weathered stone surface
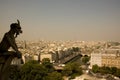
x: 7, y: 56
x: 4, y: 66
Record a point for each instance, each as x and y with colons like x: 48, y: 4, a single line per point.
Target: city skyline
x: 88, y: 20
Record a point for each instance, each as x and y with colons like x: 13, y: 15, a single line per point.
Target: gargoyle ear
x: 18, y: 22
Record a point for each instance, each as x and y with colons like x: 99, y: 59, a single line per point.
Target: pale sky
x: 89, y: 20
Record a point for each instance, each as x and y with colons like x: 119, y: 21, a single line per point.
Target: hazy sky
x: 91, y: 20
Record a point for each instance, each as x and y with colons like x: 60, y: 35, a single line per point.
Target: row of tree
x: 106, y: 70
x: 62, y: 54
x: 72, y: 70
x: 32, y: 70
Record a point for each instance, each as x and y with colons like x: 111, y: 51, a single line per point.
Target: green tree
x: 85, y: 59
x: 105, y: 70
x: 75, y: 49
x: 95, y: 68
x: 14, y: 72
x: 108, y: 70
x: 67, y: 71
x: 113, y: 70
x: 33, y: 71
x: 117, y: 73
x: 49, y: 66
x: 45, y: 61
x: 72, y: 69
x: 54, y: 76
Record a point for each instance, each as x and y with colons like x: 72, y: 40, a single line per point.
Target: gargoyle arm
x: 12, y: 43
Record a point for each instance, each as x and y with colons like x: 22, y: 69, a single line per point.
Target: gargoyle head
x: 16, y: 28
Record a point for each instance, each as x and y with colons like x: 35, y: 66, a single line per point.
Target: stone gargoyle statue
x: 7, y: 56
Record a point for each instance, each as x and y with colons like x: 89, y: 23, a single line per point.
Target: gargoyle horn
x: 18, y: 22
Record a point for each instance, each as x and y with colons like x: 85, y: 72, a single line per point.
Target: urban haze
x: 84, y: 20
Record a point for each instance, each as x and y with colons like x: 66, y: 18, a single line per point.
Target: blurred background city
x: 64, y: 39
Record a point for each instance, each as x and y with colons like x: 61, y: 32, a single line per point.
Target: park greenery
x: 106, y: 70
x: 85, y: 59
x: 33, y: 70
x: 72, y: 69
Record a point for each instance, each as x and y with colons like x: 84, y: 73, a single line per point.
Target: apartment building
x: 111, y: 58
x: 107, y: 57
x: 96, y: 58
